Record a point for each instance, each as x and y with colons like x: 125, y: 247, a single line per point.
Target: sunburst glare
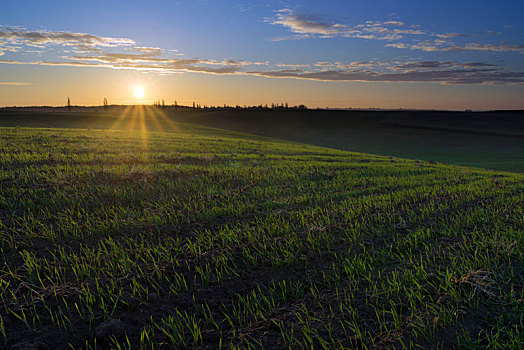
x: 139, y: 92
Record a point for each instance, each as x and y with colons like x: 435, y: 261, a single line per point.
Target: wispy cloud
x: 292, y: 65
x: 450, y: 76
x: 154, y: 51
x: 14, y: 83
x: 400, y: 34
x: 301, y: 24
x: 8, y: 48
x: 446, y: 46
x: 373, y: 71
x: 306, y: 26
x: 148, y: 61
x: 405, y: 71
x: 420, y: 65
x: 22, y: 36
x: 159, y: 65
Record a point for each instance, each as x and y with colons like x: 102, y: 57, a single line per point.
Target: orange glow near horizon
x: 88, y: 87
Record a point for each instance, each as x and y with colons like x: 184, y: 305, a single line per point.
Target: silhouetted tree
x: 106, y: 105
x: 175, y: 104
x: 163, y: 104
x: 193, y: 104
x: 68, y: 104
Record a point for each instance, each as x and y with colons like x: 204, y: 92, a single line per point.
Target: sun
x: 139, y: 92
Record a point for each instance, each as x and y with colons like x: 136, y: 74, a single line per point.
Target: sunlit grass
x: 204, y: 239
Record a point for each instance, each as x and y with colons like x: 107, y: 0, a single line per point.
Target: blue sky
x: 392, y: 50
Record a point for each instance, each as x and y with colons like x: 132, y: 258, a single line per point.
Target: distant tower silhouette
x: 68, y: 104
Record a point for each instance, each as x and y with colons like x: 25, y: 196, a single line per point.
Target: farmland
x: 227, y: 175
x: 493, y: 140
x: 204, y: 238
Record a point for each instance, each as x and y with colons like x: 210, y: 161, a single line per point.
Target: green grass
x: 492, y: 140
x: 208, y: 239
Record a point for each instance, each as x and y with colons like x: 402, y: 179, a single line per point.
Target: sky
x: 347, y: 53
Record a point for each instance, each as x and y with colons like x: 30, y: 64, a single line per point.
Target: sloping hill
x: 493, y: 140
x: 483, y: 139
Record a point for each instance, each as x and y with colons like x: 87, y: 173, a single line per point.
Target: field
x: 493, y: 140
x: 204, y: 238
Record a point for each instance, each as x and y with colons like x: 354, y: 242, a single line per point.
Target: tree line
x: 162, y: 105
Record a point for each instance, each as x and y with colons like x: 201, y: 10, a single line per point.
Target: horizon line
x: 265, y: 107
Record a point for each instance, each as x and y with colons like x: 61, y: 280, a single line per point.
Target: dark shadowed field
x: 487, y: 140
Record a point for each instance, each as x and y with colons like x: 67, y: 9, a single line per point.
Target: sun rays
x: 142, y: 120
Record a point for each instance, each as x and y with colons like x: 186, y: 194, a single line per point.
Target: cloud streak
x: 147, y: 61
x: 311, y: 26
x: 409, y: 72
x: 14, y: 83
x: 39, y: 38
x: 155, y: 51
x: 307, y: 24
x: 451, y: 76
x: 445, y: 46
